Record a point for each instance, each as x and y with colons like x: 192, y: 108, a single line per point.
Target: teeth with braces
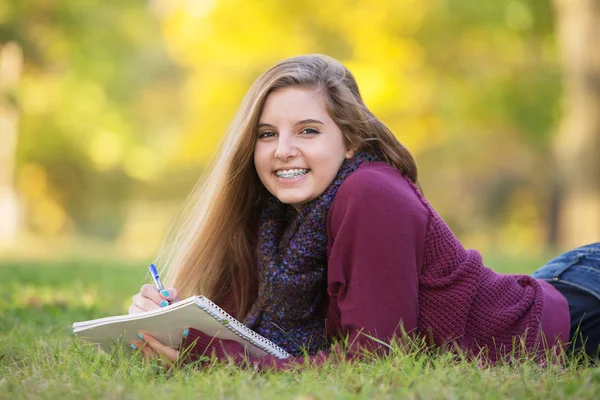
x: 292, y: 173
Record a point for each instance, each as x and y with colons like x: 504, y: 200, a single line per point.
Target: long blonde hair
x: 209, y: 248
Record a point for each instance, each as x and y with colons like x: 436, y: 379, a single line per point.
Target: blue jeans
x: 576, y: 275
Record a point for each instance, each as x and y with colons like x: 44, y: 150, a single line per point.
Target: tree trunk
x: 11, y: 63
x: 577, y: 143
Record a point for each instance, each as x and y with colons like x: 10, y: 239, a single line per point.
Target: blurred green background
x: 110, y: 110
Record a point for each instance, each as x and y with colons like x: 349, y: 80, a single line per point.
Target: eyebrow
x: 304, y: 121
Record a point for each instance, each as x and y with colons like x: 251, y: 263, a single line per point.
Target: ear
x: 350, y: 153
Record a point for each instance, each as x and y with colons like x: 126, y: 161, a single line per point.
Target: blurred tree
x: 471, y: 88
x: 577, y: 145
x: 11, y: 64
x: 497, y: 86
x: 99, y: 102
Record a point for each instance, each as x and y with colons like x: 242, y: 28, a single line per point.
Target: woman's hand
x: 151, y: 299
x: 152, y: 348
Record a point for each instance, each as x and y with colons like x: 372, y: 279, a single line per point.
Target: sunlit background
x: 110, y: 110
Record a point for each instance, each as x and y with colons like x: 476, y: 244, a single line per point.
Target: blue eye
x: 310, y: 131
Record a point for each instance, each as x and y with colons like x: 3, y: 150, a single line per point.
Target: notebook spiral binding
x: 239, y: 329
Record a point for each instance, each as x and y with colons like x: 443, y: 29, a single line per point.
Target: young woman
x: 311, y: 226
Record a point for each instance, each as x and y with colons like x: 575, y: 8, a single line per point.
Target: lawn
x: 40, y: 358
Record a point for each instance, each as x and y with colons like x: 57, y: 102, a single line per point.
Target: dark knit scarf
x: 292, y: 260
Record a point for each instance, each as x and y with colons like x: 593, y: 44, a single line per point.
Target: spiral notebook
x: 168, y: 323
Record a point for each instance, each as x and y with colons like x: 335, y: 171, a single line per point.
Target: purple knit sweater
x: 394, y: 264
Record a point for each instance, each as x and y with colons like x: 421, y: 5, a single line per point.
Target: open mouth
x: 291, y: 173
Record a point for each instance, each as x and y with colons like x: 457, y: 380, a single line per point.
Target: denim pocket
x: 579, y: 268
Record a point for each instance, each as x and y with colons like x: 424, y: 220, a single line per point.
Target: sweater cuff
x: 198, y: 345
x: 555, y: 319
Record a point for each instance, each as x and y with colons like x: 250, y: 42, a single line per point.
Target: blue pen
x: 155, y: 277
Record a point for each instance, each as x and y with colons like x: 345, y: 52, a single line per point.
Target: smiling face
x: 299, y: 148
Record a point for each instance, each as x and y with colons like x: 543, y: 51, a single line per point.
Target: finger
x: 144, y: 303
x: 150, y: 292
x: 151, y: 354
x: 167, y: 352
x: 135, y: 309
x: 147, y: 352
x: 138, y: 345
x: 170, y: 294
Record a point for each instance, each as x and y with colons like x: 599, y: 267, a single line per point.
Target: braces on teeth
x: 291, y: 174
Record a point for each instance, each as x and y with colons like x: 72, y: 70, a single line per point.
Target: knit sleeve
x: 377, y: 229
x: 199, y: 346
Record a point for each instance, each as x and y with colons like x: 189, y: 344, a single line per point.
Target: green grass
x: 40, y: 358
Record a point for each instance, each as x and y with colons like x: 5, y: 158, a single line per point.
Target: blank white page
x: 168, y: 323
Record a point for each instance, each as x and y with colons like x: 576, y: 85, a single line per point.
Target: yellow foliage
x: 144, y: 228
x: 523, y: 231
x: 48, y: 216
x: 45, y: 214
x: 106, y: 150
x: 453, y: 85
x: 33, y: 182
x: 518, y: 16
x: 39, y: 95
x: 227, y: 44
x: 142, y: 164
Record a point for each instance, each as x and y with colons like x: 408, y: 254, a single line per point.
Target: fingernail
x: 164, y: 303
x: 186, y: 333
x: 140, y: 336
x: 133, y: 346
x: 165, y: 293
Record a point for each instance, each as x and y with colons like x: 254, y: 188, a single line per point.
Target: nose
x: 286, y: 148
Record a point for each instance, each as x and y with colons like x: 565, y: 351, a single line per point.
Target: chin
x: 294, y: 201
